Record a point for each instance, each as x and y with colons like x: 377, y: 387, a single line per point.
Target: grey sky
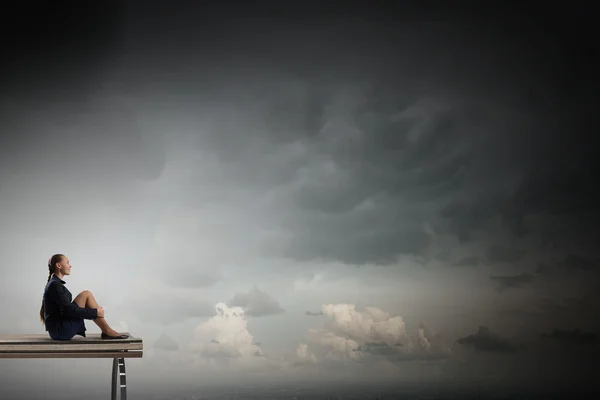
x: 425, y: 190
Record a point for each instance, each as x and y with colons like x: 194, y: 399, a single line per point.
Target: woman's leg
x: 86, y: 299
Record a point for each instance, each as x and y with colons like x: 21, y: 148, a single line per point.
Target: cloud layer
x: 352, y: 335
x: 256, y: 303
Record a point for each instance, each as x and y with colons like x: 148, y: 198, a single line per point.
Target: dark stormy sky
x: 278, y: 191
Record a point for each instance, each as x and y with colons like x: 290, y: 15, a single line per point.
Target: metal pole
x: 118, y: 370
x: 113, y: 391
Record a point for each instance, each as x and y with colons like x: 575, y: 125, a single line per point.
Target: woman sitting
x: 64, y: 318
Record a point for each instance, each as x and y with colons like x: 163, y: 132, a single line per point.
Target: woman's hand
x: 100, y: 312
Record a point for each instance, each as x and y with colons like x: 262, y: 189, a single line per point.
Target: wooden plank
x: 79, y: 354
x: 92, y: 338
x: 80, y: 345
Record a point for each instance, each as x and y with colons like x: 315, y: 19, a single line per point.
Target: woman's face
x: 64, y: 266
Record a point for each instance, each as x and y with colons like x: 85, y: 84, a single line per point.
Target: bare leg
x: 86, y: 299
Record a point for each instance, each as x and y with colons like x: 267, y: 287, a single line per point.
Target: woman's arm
x: 58, y: 295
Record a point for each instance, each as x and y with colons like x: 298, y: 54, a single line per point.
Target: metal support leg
x: 115, y: 371
x: 118, y: 374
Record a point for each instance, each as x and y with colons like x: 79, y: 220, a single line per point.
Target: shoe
x: 105, y: 336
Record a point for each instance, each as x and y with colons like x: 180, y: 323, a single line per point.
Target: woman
x: 64, y: 319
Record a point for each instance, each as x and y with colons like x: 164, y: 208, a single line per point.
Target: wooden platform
x: 92, y: 346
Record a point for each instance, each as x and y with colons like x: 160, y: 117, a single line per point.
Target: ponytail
x: 51, y: 269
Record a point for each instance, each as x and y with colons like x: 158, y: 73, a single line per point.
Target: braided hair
x: 56, y: 258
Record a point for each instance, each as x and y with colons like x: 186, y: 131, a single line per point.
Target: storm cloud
x: 256, y: 303
x: 573, y: 336
x: 512, y: 281
x: 486, y: 341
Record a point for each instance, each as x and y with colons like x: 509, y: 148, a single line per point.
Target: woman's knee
x: 86, y: 293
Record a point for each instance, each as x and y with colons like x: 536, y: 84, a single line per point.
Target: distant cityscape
x: 316, y: 392
x: 368, y: 393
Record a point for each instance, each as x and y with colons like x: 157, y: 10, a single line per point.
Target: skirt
x: 66, y: 328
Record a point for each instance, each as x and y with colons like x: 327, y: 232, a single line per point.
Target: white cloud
x: 225, y: 335
x: 372, y: 335
x: 304, y: 355
x: 224, y: 343
x: 340, y: 348
x: 372, y: 325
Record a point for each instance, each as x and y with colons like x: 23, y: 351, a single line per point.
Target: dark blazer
x: 58, y: 304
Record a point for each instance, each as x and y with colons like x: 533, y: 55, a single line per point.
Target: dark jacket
x: 58, y: 304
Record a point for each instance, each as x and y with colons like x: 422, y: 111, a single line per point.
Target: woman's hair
x: 51, y: 269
